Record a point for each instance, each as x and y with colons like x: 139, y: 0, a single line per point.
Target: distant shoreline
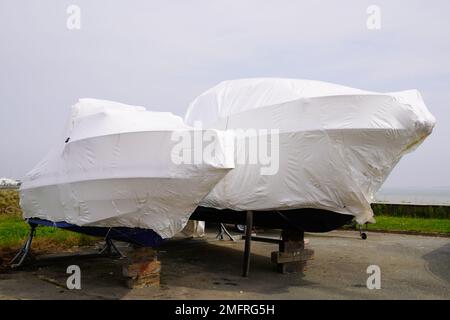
x: 405, y: 203
x: 414, y: 196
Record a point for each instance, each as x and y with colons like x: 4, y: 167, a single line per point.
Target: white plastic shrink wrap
x: 274, y: 144
x: 336, y: 145
x: 116, y: 169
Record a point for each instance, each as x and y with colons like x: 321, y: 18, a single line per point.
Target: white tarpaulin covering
x: 336, y: 144
x: 116, y: 169
x: 331, y: 147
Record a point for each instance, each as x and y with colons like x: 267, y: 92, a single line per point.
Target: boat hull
x: 136, y: 236
x: 307, y: 220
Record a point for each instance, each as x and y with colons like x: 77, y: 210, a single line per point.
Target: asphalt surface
x: 412, y: 267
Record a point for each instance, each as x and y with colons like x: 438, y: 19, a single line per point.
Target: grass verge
x: 407, y: 224
x: 14, y: 230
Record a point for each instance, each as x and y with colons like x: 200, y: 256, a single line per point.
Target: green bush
x: 413, y: 211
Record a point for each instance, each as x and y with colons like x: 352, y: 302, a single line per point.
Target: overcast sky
x: 162, y: 54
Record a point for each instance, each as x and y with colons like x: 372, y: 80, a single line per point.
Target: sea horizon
x: 436, y: 196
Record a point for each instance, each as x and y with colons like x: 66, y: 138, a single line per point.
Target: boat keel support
x: 110, y: 249
x: 24, y: 252
x: 292, y: 255
x: 224, y: 231
x: 142, y: 268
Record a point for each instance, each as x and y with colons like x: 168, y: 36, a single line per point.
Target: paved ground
x: 412, y: 267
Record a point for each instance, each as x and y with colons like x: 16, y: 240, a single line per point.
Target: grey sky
x: 161, y: 54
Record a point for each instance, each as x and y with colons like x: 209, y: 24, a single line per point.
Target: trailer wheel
x: 363, y: 236
x: 240, y: 227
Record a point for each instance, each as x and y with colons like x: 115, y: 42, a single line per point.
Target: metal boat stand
x: 24, y: 252
x: 223, y: 230
x: 291, y: 256
x: 248, y: 239
x: 110, y: 249
x: 248, y: 242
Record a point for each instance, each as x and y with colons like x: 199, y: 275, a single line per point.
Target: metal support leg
x: 110, y: 249
x: 248, y: 241
x: 223, y: 230
x: 25, y: 250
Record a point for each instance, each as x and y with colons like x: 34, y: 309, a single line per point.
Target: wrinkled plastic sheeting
x: 194, y: 229
x: 337, y: 145
x: 113, y: 167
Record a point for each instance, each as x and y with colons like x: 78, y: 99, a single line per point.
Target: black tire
x: 363, y: 236
x: 240, y: 227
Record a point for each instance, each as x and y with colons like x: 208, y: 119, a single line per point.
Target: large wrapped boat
x: 335, y: 145
x: 307, y: 153
x: 113, y: 168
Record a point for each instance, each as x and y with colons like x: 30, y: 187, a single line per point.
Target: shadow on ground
x: 438, y: 262
x: 186, y: 263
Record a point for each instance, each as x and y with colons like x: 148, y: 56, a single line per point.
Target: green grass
x: 14, y: 230
x: 409, y: 224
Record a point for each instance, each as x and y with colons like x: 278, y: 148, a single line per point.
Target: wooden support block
x: 291, y: 267
x: 142, y: 269
x: 292, y: 240
x: 294, y: 256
